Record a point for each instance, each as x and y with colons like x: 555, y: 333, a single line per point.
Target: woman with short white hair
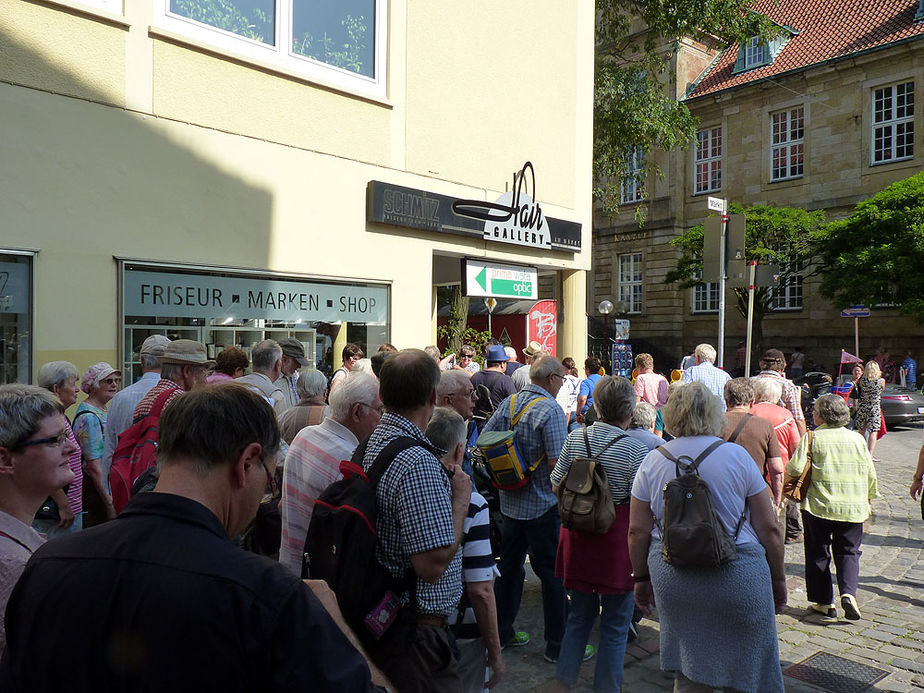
x: 310, y: 410
x: 706, y: 613
x: 65, y: 514
x: 101, y: 382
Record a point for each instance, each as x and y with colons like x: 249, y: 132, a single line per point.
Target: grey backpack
x: 692, y: 534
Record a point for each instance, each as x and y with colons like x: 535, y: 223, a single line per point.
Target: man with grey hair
x: 310, y: 409
x: 266, y: 359
x: 122, y: 406
x: 531, y: 520
x: 523, y: 376
x: 457, y: 392
x: 706, y: 373
x: 476, y: 632
x: 642, y: 426
x: 313, y: 461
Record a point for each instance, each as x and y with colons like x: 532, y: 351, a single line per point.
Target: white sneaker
x: 851, y: 610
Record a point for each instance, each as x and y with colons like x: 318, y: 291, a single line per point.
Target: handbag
x: 795, y: 488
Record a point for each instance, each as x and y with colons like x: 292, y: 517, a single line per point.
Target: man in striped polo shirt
x: 475, y: 622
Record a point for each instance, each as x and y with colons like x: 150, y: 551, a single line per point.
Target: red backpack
x: 136, y: 452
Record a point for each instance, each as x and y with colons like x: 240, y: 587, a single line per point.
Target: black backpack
x: 693, y: 534
x: 341, y: 542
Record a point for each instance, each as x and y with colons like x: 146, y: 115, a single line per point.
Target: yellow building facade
x: 164, y: 168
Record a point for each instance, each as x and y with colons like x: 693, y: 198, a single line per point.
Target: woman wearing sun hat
x: 101, y: 382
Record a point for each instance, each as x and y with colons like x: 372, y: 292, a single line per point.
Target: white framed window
x: 787, y: 133
x: 338, y: 42
x: 633, y: 185
x: 709, y: 160
x: 629, y: 281
x: 755, y: 53
x: 706, y: 297
x: 788, y: 294
x: 893, y: 123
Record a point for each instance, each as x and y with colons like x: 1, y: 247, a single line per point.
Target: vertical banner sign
x: 542, y: 325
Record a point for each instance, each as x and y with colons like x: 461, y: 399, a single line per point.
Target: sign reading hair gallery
x: 178, y: 295
x: 513, y: 218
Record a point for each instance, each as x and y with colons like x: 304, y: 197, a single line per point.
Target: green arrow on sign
x: 482, y: 278
x: 512, y: 287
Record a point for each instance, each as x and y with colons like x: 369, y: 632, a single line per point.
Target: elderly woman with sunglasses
x: 101, y: 382
x: 462, y: 361
x: 60, y: 378
x: 34, y: 452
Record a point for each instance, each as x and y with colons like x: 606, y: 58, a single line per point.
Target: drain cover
x: 835, y: 674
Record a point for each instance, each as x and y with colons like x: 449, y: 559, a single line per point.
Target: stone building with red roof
x: 821, y: 117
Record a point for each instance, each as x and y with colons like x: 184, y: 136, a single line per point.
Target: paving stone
x: 917, y: 667
x: 879, y: 635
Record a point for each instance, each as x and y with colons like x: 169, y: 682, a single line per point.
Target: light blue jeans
x: 615, y: 611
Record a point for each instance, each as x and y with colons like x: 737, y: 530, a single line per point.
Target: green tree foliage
x: 876, y: 255
x: 634, y: 93
x: 781, y: 236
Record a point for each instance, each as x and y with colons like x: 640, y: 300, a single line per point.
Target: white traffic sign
x: 855, y: 312
x: 717, y: 204
x: 499, y: 280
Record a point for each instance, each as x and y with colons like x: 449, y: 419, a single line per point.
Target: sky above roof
x: 828, y: 29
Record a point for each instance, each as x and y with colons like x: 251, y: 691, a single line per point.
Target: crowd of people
x: 240, y: 452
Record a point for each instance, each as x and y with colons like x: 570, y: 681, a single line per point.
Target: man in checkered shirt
x: 706, y: 373
x: 531, y: 520
x: 421, y: 511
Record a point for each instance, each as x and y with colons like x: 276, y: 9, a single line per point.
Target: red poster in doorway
x: 542, y: 325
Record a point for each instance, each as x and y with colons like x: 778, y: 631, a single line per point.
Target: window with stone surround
x: 706, y: 297
x: 787, y: 133
x: 893, y: 123
x: 633, y: 185
x: 629, y: 281
x: 709, y: 160
x: 788, y: 294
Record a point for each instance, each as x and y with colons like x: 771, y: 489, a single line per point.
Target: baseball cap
x: 155, y: 345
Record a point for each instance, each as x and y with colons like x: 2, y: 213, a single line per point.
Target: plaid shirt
x: 541, y: 430
x: 792, y: 395
x: 414, y: 514
x: 710, y: 376
x: 147, y: 403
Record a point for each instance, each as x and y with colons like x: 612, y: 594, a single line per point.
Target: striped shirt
x: 710, y: 376
x: 75, y: 462
x: 477, y: 563
x: 312, y: 464
x: 620, y: 461
x: 540, y: 431
x: 17, y: 543
x: 843, y: 475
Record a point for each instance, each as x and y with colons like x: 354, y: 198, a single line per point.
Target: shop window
x: 893, y: 123
x: 222, y: 309
x: 787, y: 144
x: 633, y: 185
x: 15, y: 318
x: 709, y: 160
x: 342, y: 42
x: 629, y: 284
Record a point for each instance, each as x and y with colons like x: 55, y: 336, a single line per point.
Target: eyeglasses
x: 558, y: 375
x: 51, y: 441
x: 380, y: 409
x: 110, y: 381
x: 271, y: 477
x: 470, y: 393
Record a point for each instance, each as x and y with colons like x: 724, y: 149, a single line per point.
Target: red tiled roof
x: 828, y: 29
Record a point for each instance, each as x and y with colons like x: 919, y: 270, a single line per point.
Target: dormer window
x: 755, y: 53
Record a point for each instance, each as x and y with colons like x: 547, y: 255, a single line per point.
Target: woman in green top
x: 835, y: 506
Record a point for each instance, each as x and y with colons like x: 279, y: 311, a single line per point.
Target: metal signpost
x: 490, y: 304
x: 856, y: 312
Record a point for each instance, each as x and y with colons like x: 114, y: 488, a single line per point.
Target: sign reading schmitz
x: 481, y: 278
x: 168, y: 294
x: 514, y: 218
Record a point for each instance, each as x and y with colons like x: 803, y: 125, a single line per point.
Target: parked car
x: 899, y: 404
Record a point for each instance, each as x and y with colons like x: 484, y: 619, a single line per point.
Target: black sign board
x: 419, y: 209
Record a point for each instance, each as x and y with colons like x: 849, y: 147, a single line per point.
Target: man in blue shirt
x: 531, y: 520
x: 909, y: 368
x: 585, y: 400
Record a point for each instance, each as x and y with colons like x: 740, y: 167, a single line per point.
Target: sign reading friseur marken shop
x: 177, y: 295
x: 514, y: 218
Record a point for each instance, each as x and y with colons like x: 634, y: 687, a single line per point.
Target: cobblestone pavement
x: 890, y: 636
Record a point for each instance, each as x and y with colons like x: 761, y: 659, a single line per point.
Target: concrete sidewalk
x: 890, y: 636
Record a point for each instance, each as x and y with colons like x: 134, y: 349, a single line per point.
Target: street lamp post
x: 605, y: 307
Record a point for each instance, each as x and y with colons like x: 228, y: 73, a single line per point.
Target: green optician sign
x: 480, y: 278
